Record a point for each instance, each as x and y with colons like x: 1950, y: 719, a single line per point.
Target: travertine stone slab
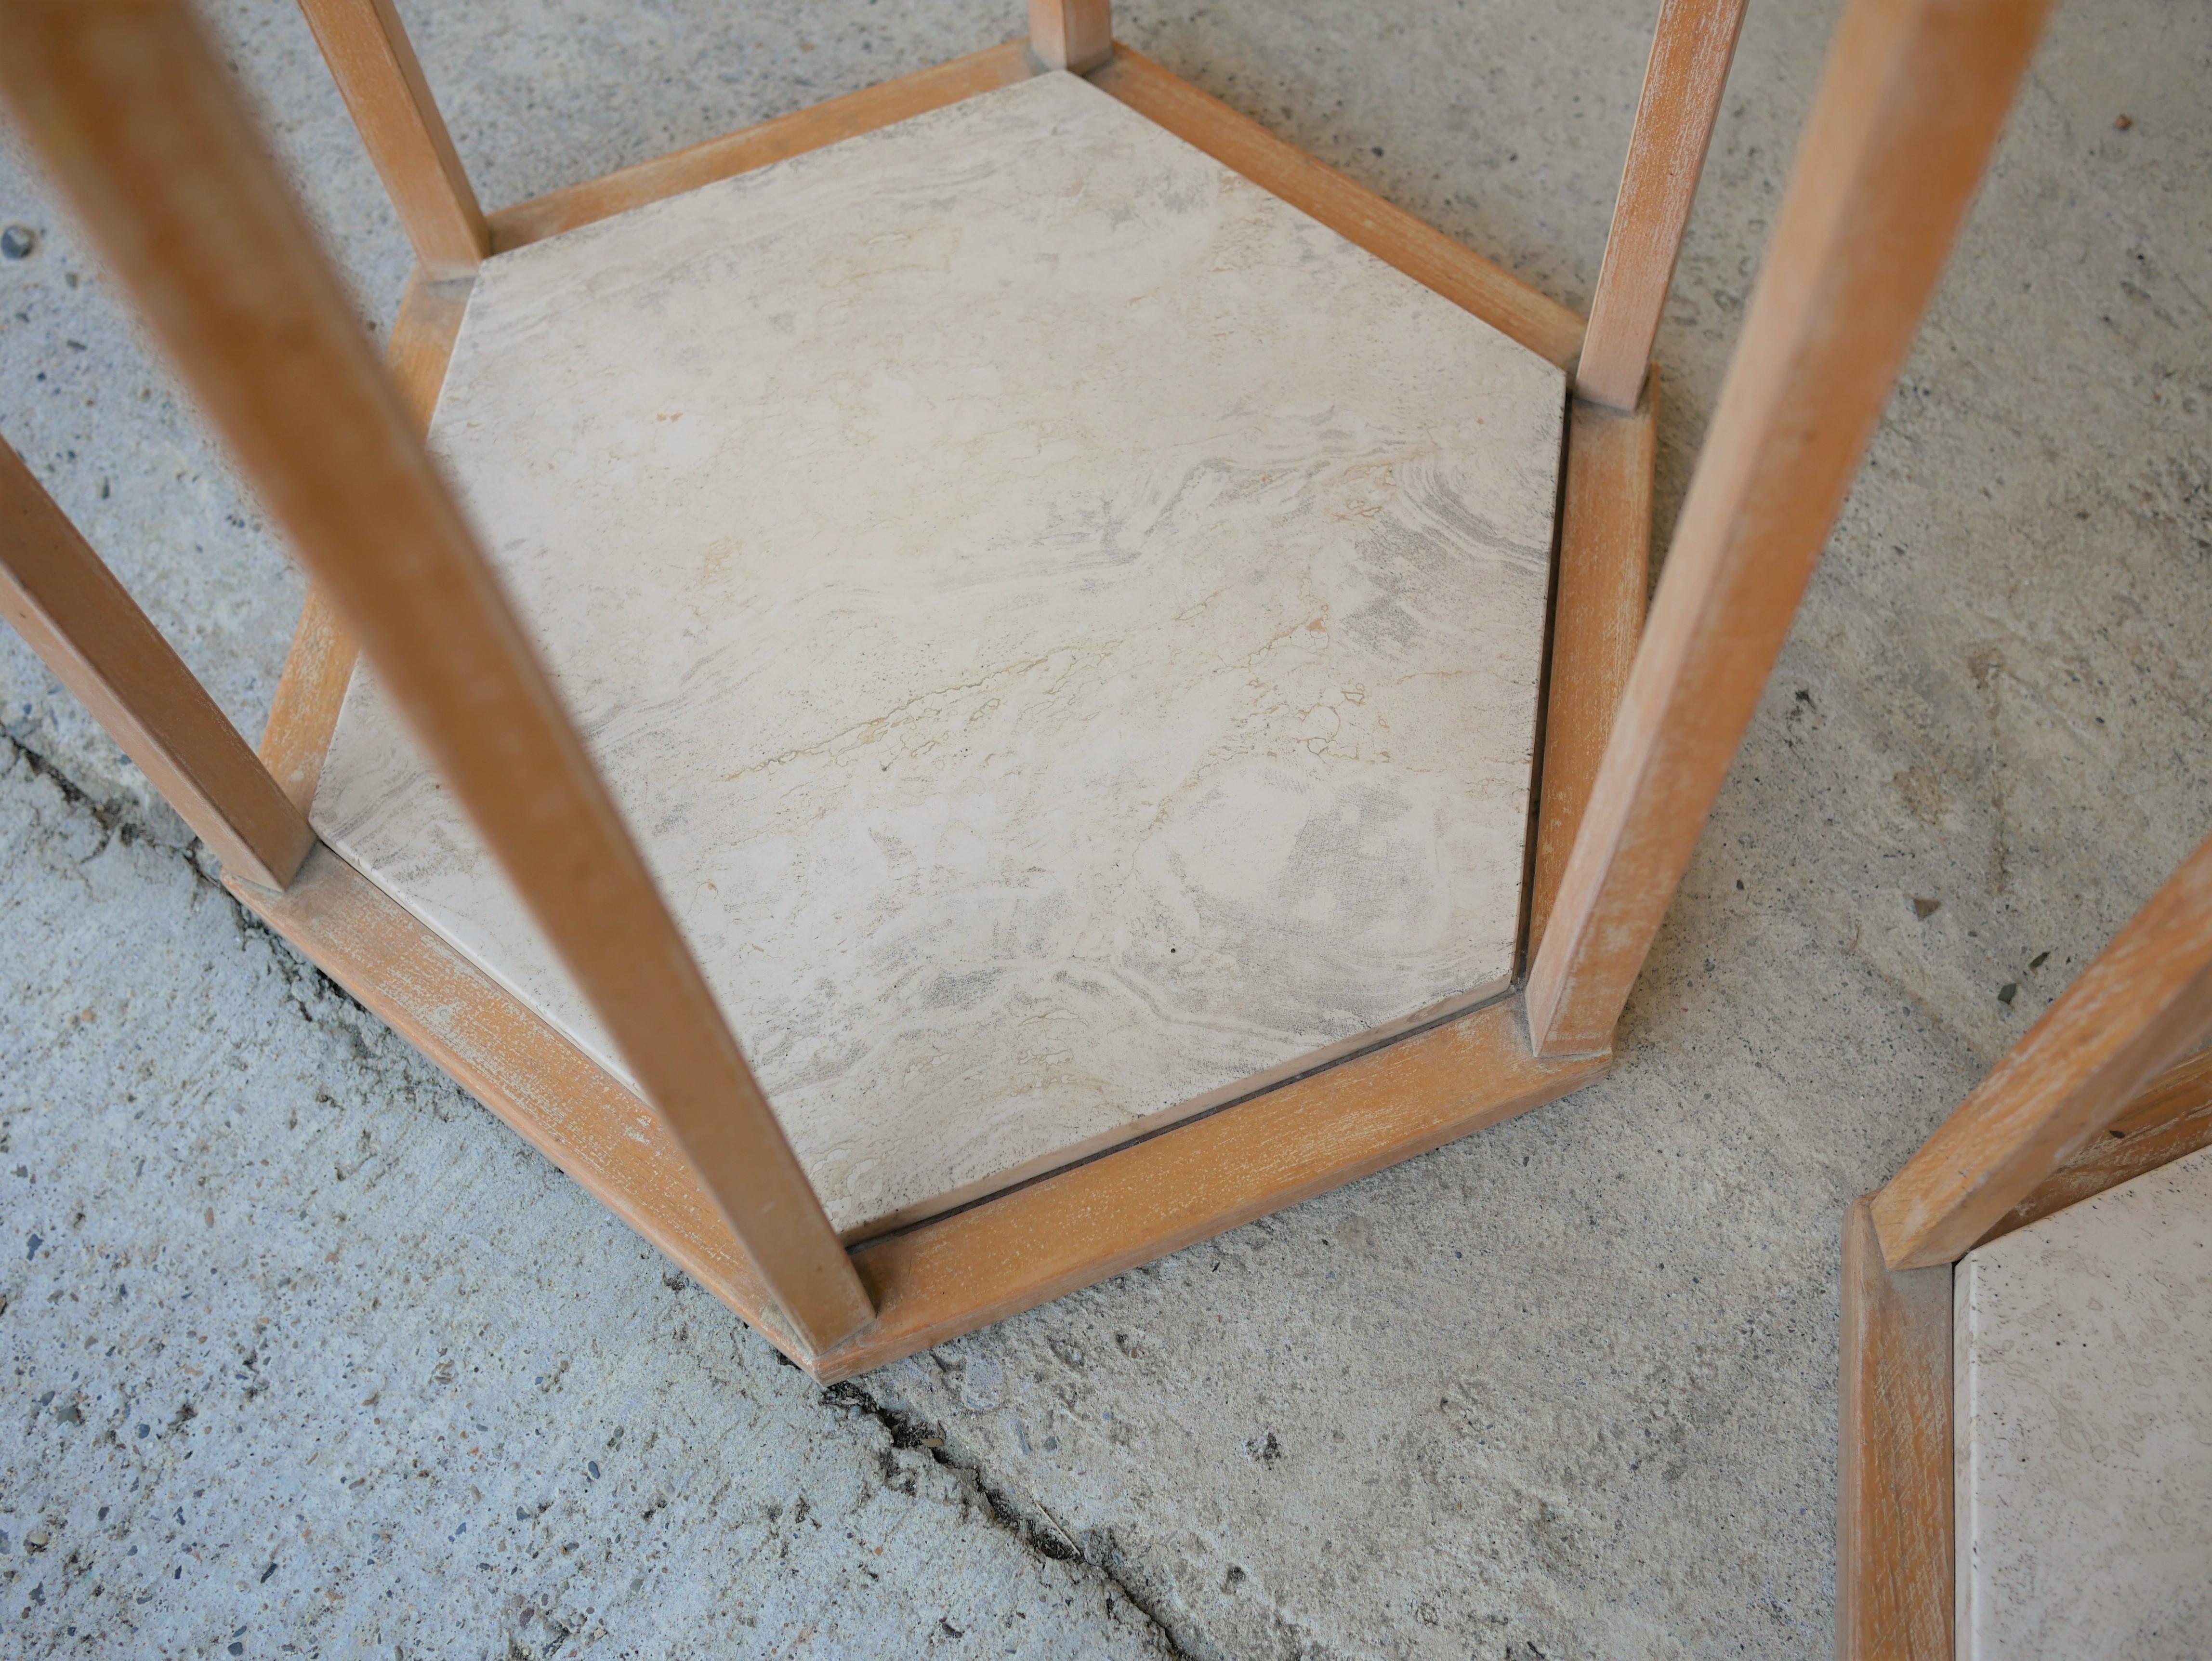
x: 2084, y: 1435
x: 1065, y: 626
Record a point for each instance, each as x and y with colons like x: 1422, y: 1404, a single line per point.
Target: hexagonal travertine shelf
x: 2084, y: 1427
x: 1065, y: 626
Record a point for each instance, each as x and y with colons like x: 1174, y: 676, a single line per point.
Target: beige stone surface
x: 2084, y: 1428
x: 1064, y: 624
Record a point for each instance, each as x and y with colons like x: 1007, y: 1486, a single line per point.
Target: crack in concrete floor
x: 1565, y: 1388
x: 1042, y: 1534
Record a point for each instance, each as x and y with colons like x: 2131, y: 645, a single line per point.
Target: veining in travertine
x: 1064, y: 626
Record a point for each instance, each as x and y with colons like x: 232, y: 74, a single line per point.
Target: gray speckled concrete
x: 1563, y: 1390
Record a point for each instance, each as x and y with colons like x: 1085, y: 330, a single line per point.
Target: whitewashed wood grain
x: 1063, y: 625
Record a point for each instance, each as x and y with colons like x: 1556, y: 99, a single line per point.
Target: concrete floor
x: 311, y: 1356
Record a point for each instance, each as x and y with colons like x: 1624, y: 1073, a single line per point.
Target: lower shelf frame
x: 1142, y: 1199
x: 953, y: 1274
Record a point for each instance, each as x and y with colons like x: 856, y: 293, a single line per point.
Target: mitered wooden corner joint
x: 2140, y: 1007
x: 381, y: 81
x: 1639, y: 719
x: 2067, y: 1115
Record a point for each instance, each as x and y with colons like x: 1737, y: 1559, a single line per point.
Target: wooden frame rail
x: 1353, y: 212
x: 1894, y: 1484
x: 142, y: 128
x: 1599, y: 584
x: 1691, y: 50
x: 2169, y: 1121
x: 954, y: 1273
x: 304, y: 714
x: 381, y: 81
x: 75, y: 616
x: 777, y: 140
x: 2143, y: 1003
x: 1909, y: 108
